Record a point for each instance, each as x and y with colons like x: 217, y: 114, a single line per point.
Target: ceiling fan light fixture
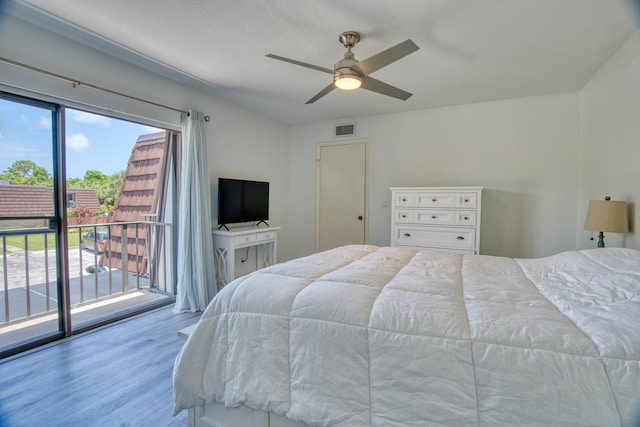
x: 349, y: 73
x: 347, y: 79
x: 348, y: 83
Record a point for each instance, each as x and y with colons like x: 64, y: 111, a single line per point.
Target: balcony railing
x: 136, y: 257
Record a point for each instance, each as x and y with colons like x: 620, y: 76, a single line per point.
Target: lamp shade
x: 607, y: 215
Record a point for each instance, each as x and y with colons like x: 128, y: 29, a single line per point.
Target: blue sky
x: 94, y: 142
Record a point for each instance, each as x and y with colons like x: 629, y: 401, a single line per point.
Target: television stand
x: 226, y: 242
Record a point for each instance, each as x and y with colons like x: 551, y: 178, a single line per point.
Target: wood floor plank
x: 118, y: 375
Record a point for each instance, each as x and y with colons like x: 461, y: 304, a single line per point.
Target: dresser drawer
x: 403, y: 200
x: 465, y: 200
x: 433, y: 200
x: 443, y: 237
x: 442, y: 217
x: 244, y: 239
x: 265, y: 236
x: 434, y: 217
x: 467, y: 218
x: 403, y: 215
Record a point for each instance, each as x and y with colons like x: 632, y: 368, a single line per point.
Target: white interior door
x: 341, y: 194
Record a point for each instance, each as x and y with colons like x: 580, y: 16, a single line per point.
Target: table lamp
x: 606, y: 215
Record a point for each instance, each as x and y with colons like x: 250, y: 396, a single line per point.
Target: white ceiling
x: 470, y: 50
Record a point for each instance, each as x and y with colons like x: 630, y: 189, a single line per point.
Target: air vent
x: 346, y: 129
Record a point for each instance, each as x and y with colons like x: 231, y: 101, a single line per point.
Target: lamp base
x: 601, y: 240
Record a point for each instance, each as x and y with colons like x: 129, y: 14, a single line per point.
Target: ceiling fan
x: 349, y: 73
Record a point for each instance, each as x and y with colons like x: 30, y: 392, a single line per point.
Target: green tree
x: 75, y: 183
x: 27, y: 172
x: 112, y: 188
x: 94, y: 178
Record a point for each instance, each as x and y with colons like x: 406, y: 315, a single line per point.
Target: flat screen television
x: 242, y: 201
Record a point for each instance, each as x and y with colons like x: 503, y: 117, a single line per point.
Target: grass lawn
x: 37, y: 241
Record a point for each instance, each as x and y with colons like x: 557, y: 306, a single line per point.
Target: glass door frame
x: 60, y: 206
x: 57, y: 224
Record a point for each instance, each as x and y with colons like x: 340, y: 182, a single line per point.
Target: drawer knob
x: 404, y: 200
x: 433, y: 217
x: 466, y: 200
x: 407, y: 235
x: 460, y: 238
x: 404, y: 216
x: 434, y: 200
x: 466, y: 218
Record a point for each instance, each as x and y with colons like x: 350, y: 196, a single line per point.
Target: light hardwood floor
x: 118, y: 375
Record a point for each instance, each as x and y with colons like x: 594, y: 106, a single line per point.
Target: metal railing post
x: 137, y: 260
x: 81, y: 264
x: 125, y: 259
x: 6, y: 279
x: 27, y: 275
x: 46, y: 271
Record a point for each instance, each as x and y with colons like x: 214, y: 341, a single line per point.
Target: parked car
x: 95, y: 240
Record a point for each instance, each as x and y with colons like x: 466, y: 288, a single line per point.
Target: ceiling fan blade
x: 303, y: 64
x: 386, y: 57
x: 322, y: 93
x: 384, y: 88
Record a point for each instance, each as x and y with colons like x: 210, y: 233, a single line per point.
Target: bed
x: 382, y: 336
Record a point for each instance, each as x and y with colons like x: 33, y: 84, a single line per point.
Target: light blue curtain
x: 196, y: 275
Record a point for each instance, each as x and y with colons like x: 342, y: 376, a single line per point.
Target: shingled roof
x: 26, y: 200
x: 138, y: 198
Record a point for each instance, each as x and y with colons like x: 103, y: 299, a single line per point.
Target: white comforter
x: 362, y: 335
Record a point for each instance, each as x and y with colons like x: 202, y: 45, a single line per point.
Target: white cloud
x: 83, y: 117
x: 77, y: 142
x: 45, y: 122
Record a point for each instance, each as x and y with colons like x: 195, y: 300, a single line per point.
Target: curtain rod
x: 77, y: 83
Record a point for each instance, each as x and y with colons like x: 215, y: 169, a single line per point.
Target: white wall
x: 522, y: 151
x: 240, y: 143
x: 610, y: 147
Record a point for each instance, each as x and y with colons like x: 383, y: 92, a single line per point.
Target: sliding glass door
x: 32, y: 293
x: 83, y: 237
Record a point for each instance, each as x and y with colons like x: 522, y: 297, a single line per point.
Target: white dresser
x: 438, y: 218
x: 226, y: 243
